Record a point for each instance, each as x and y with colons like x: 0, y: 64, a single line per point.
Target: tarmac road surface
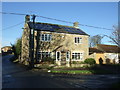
x: 18, y: 76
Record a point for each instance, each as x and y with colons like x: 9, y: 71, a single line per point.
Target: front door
x: 58, y: 56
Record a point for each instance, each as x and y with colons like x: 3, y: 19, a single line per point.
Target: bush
x: 90, y: 61
x: 74, y: 62
x: 48, y: 59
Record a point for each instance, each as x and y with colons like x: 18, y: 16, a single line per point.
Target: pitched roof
x: 109, y: 48
x: 94, y: 50
x: 56, y: 28
x: 6, y: 47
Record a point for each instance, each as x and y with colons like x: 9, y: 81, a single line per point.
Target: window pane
x: 49, y: 37
x: 75, y: 40
x: 80, y: 40
x: 77, y: 56
x: 73, y: 57
x: 42, y: 37
x: 45, y: 37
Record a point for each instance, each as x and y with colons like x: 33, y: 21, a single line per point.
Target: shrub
x: 90, y: 61
x: 48, y: 59
x: 81, y: 62
x: 74, y: 62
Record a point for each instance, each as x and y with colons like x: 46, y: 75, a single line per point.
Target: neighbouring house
x: 6, y: 49
x: 97, y: 55
x: 105, y: 54
x: 61, y: 43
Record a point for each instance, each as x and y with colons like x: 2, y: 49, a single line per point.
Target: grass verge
x: 72, y: 71
x: 81, y: 71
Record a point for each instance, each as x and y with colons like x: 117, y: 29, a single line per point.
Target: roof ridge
x: 56, y: 27
x: 56, y: 24
x: 107, y: 45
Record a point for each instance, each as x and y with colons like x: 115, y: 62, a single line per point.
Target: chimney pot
x: 27, y: 18
x: 76, y: 24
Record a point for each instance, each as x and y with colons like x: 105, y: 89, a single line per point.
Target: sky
x: 99, y: 14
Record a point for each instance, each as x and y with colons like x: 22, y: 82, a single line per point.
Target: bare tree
x: 94, y: 40
x: 115, y: 36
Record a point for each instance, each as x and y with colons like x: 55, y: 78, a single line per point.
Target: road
x: 18, y: 76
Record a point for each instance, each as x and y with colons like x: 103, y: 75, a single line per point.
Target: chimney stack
x: 27, y: 18
x: 76, y: 24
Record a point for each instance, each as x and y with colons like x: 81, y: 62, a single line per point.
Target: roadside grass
x: 72, y: 71
x: 81, y: 71
x: 93, y: 69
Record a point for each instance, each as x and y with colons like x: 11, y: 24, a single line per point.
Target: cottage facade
x: 62, y: 43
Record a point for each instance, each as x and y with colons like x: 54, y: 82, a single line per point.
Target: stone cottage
x: 60, y: 42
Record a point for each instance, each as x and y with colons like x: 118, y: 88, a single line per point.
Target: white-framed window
x: 44, y: 54
x: 77, y: 56
x: 78, y: 40
x: 46, y: 37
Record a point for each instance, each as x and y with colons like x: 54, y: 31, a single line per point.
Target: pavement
x: 18, y: 76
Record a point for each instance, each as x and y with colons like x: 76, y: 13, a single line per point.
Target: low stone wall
x: 77, y: 65
x: 59, y: 66
x: 39, y: 65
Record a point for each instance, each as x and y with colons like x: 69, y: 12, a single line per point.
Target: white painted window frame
x: 78, y: 40
x: 47, y: 36
x: 81, y: 56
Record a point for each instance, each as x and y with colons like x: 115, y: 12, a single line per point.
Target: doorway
x: 58, y: 56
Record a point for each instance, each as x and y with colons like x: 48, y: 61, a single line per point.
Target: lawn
x: 81, y: 71
x: 72, y: 71
x: 95, y: 69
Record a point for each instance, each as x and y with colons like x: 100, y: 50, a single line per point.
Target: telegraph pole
x: 32, y: 43
x: 37, y: 45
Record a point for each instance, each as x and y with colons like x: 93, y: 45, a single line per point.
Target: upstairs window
x: 78, y: 40
x: 45, y: 37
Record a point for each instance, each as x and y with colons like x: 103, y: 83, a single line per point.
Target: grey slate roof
x: 56, y: 28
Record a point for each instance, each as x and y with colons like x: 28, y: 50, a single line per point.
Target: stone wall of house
x: 60, y: 42
x: 111, y: 58
x: 25, y: 45
x: 107, y: 58
x: 82, y: 48
x: 66, y: 42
